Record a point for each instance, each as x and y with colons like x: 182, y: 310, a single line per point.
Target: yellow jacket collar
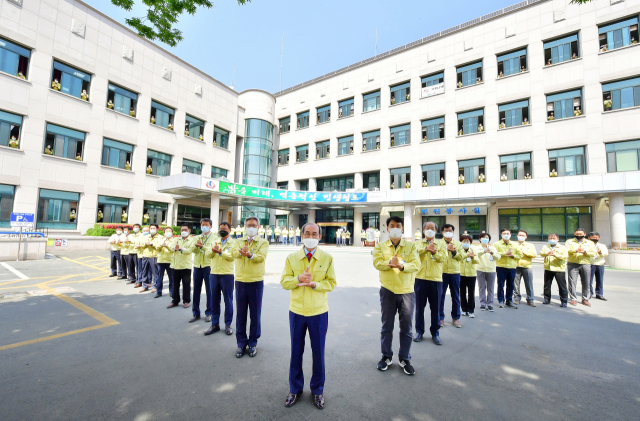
x: 300, y: 254
x: 401, y: 244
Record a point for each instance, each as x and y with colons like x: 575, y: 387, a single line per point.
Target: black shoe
x: 240, y: 352
x: 292, y: 398
x: 112, y: 275
x: 511, y: 305
x: 194, y: 318
x: 207, y: 319
x: 490, y: 308
x: 436, y: 339
x: 228, y: 330
x: 601, y: 298
x: 212, y: 329
x: 418, y: 337
x: 158, y: 296
x: 253, y: 350
x: 546, y: 301
x: 384, y: 363
x: 122, y: 277
x: 132, y: 281
x: 563, y: 305
x: 318, y: 401
x: 407, y: 367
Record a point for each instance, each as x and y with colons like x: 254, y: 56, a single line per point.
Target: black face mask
x: 224, y: 233
x: 595, y: 240
x: 579, y: 237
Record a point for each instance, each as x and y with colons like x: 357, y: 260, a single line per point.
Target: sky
x: 319, y: 37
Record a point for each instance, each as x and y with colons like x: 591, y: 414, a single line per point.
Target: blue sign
x: 22, y: 219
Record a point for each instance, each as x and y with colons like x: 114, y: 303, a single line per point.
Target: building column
x: 313, y: 186
x: 618, y: 220
x: 358, y: 181
x: 312, y: 216
x: 408, y: 221
x: 357, y: 226
x: 215, y: 211
x: 169, y: 217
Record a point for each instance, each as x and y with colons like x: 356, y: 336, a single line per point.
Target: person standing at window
x: 468, y: 277
x: 201, y: 269
x: 221, y: 279
x: 524, y: 270
x: 181, y: 265
x: 580, y: 251
x: 451, y: 275
x: 510, y: 254
x: 597, y: 266
x: 555, y: 265
x: 486, y: 272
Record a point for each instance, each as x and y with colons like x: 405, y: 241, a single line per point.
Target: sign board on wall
x: 458, y: 210
x: 209, y: 184
x: 23, y: 220
x: 433, y: 90
x: 60, y: 243
x: 288, y: 195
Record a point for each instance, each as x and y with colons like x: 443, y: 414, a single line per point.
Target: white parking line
x: 16, y: 272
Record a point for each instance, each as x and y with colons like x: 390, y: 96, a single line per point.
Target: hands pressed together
x: 305, y: 279
x: 395, y: 262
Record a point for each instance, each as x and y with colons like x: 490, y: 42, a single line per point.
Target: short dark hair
x: 225, y: 223
x: 504, y: 229
x: 395, y: 219
x: 485, y: 234
x: 206, y: 220
x: 553, y: 234
x: 153, y: 225
x: 448, y: 226
x: 136, y: 225
x: 182, y: 226
x: 579, y: 229
x: 525, y: 233
x: 592, y: 233
x: 466, y: 237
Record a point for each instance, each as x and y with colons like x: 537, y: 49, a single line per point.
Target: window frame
x: 153, y: 161
x: 563, y: 98
x: 613, y: 148
x: 299, y: 150
x: 323, y: 149
x: 78, y: 75
x: 514, y: 113
x: 158, y: 106
x: 463, y: 170
x: 437, y: 125
x: 398, y: 177
x: 323, y: 114
x: 373, y: 139
x: 435, y: 172
x: 66, y: 138
x: 284, y: 122
x: 105, y: 160
x: 366, y: 180
x: 339, y: 183
x: 7, y: 200
x: 348, y: 150
x: 550, y: 44
x: 11, y: 120
x: 521, y: 55
x: 284, y: 153
x: 400, y: 93
x: 303, y: 118
x: 395, y: 135
x: 221, y: 172
x: 345, y: 105
x: 125, y: 93
x: 470, y: 73
x: 186, y: 163
x: 618, y: 26
x: 511, y: 170
x: 366, y: 99
x: 18, y: 50
x: 223, y: 135
x: 197, y: 123
x: 624, y: 87
x: 103, y: 201
x: 471, y: 120
x: 550, y: 212
x: 64, y: 222
x: 554, y: 161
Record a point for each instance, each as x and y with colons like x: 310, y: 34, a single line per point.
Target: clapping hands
x: 395, y: 262
x: 305, y: 279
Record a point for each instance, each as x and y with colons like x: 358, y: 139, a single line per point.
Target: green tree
x: 162, y: 15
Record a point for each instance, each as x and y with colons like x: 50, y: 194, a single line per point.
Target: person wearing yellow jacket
x: 116, y: 261
x: 221, y: 279
x: 292, y: 235
x: 298, y: 238
x: 580, y: 251
x: 555, y: 265
x: 428, y: 284
x: 285, y: 235
x: 510, y: 254
x: 201, y: 269
x: 139, y: 249
x: 126, y: 256
x: 165, y: 256
x: 277, y: 233
x: 486, y: 271
x: 310, y: 275
x: 468, y: 276
x: 250, y: 253
x: 524, y: 270
x: 597, y: 266
x: 451, y: 275
x: 181, y: 265
x: 149, y: 257
x: 398, y: 262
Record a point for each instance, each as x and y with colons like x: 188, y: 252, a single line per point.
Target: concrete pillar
x: 169, y: 217
x: 408, y: 221
x: 618, y: 220
x: 357, y: 226
x: 215, y: 211
x: 312, y: 216
x: 313, y: 185
x: 455, y: 221
x: 358, y: 181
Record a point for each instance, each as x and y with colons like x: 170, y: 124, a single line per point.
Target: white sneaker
x: 471, y: 315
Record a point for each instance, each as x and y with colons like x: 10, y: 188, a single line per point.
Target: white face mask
x: 521, y: 238
x: 506, y: 237
x: 447, y: 234
x: 310, y: 243
x: 184, y: 233
x: 168, y: 234
x: 152, y: 232
x: 136, y: 229
x: 251, y: 231
x: 119, y: 232
x: 395, y: 233
x: 429, y: 233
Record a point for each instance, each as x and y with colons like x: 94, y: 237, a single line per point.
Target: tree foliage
x: 162, y: 16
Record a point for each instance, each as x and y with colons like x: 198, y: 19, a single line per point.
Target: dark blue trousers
x: 132, y: 264
x: 428, y: 291
x: 115, y: 260
x: 162, y: 267
x: 139, y: 269
x: 452, y: 281
x: 122, y: 264
x: 317, y: 327
x: 149, y: 271
x: 508, y: 276
x: 598, y: 272
x: 201, y: 276
x: 221, y: 284
x: 248, y: 300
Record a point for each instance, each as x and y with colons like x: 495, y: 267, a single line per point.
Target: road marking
x: 15, y: 272
x: 84, y: 264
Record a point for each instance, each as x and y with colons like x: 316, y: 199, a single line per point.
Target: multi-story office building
x: 524, y: 118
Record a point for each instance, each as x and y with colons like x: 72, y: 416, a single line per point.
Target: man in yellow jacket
x: 397, y: 261
x: 524, y: 270
x: 580, y: 251
x: 181, y: 265
x: 250, y: 253
x: 201, y: 268
x: 555, y: 265
x: 428, y: 284
x: 221, y: 279
x: 149, y: 267
x: 451, y: 275
x: 597, y: 266
x: 309, y: 274
x: 165, y: 257
x: 510, y: 254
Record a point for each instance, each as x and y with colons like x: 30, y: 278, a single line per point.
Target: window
x: 621, y: 94
x: 512, y: 63
x: 304, y: 185
x: 432, y: 174
x: 283, y: 185
x: 303, y: 120
x: 471, y: 122
x: 371, y: 180
x: 515, y: 167
x: 469, y: 74
x: 162, y: 115
x: 116, y: 154
x: 562, y: 49
x: 63, y: 142
x: 323, y: 114
x: 322, y: 149
x: 57, y: 209
x: 7, y: 194
x: 10, y: 125
x: 70, y: 81
x: 220, y: 137
x: 345, y: 108
x: 433, y: 84
x: 400, y: 177
x: 283, y: 157
x: 401, y: 93
x: 345, y: 145
x: 371, y: 101
x: 191, y: 216
x: 302, y: 153
x: 158, y: 163
x: 191, y: 167
x: 618, y: 34
x: 540, y: 222
x: 156, y: 212
x: 514, y: 114
x: 401, y: 135
x: 122, y: 100
x: 433, y: 129
x: 194, y: 127
x: 564, y: 105
x: 285, y: 125
x: 370, y: 220
x: 371, y: 140
x: 569, y: 161
x: 632, y: 214
x: 112, y: 209
x: 218, y: 172
x: 623, y: 156
x: 14, y: 59
x: 335, y: 184
x: 471, y: 170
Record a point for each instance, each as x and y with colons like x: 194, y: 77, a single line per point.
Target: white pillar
x: 358, y: 180
x: 408, y: 221
x: 313, y: 185
x: 618, y: 220
x: 312, y: 216
x: 357, y: 226
x: 169, y: 216
x: 215, y: 211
